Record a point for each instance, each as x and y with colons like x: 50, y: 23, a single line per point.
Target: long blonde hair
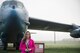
x: 25, y: 37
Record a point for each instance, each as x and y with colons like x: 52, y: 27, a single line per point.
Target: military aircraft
x: 14, y: 22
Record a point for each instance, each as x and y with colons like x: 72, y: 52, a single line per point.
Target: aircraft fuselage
x: 14, y: 21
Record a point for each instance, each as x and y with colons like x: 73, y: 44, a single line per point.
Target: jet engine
x: 76, y: 32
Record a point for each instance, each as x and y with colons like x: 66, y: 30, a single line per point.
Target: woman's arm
x: 21, y: 46
x: 33, y: 46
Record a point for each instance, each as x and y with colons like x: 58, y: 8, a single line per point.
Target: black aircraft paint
x: 14, y: 21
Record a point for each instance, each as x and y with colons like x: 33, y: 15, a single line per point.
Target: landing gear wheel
x: 5, y: 46
x: 4, y: 41
x: 19, y: 38
x: 17, y: 46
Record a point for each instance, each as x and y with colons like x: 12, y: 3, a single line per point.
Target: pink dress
x: 22, y: 46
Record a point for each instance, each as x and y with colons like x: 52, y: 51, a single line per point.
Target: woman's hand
x: 27, y: 50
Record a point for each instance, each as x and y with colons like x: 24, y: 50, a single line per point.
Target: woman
x: 27, y: 44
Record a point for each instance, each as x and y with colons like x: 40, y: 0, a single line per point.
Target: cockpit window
x: 12, y: 3
x: 4, y: 4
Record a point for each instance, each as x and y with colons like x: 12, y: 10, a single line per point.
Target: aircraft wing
x: 39, y: 24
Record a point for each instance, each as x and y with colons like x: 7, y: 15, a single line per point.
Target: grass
x: 62, y: 45
x: 62, y: 50
x: 50, y: 47
x: 53, y: 50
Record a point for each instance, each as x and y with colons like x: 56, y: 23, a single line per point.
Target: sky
x: 61, y: 11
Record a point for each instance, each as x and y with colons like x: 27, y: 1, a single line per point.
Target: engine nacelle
x: 75, y: 33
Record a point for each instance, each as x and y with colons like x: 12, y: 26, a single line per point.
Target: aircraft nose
x: 13, y: 7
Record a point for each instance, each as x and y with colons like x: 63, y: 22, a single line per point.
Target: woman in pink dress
x: 27, y: 45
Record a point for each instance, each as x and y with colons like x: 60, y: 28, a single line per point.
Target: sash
x: 27, y: 45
